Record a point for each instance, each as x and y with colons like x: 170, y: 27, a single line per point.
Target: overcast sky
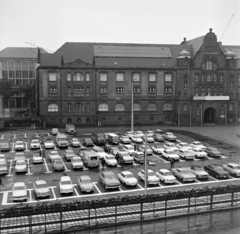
x: 51, y: 23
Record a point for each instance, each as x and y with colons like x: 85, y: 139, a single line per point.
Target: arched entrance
x: 210, y: 115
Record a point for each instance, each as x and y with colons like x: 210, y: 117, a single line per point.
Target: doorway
x: 209, y: 115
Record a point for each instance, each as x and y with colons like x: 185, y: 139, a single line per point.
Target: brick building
x: 191, y: 83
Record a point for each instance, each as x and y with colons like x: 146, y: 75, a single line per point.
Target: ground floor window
x: 230, y: 120
x: 135, y: 118
x: 69, y: 120
x: 88, y: 120
x: 239, y: 119
x: 167, y: 118
x: 53, y: 120
x: 78, y: 120
x: 103, y: 119
x: 119, y: 119
x: 151, y: 118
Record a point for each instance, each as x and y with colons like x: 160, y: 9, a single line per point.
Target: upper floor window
x: 196, y: 91
x: 69, y: 107
x: 103, y: 77
x: 78, y: 77
x: 185, y: 84
x: 196, y: 77
x: 202, y: 77
x: 230, y: 107
x: 185, y: 107
x: 152, y: 106
x: 52, y: 107
x: 120, y: 77
x: 152, y: 89
x: 209, y: 77
x: 79, y: 89
x: 78, y: 107
x: 168, y: 77
x: 210, y: 65
x: 119, y: 90
x: 52, y: 76
x: 214, y: 77
x: 221, y: 77
x: 167, y: 107
x: 209, y: 91
x: 87, y: 76
x: 69, y: 76
x: 136, y: 107
x: 152, y: 77
x: 103, y: 90
x: 120, y: 107
x: 231, y: 84
x: 136, y: 89
x: 136, y: 77
x: 87, y: 107
x: 168, y: 91
x: 103, y: 107
x: 52, y: 89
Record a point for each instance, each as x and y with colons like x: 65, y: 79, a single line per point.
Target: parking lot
x: 45, y: 170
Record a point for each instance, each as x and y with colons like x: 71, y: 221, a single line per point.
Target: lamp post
x: 132, y: 116
x: 145, y: 164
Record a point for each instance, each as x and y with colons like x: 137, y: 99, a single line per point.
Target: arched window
x: 78, y: 77
x: 78, y: 120
x: 152, y: 106
x: 119, y: 107
x: 103, y: 107
x: 210, y: 65
x: 69, y: 120
x: 52, y: 107
x: 136, y: 107
x: 167, y: 107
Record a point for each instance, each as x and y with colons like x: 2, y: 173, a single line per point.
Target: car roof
x: 53, y: 151
x: 74, y: 138
x: 19, y: 184
x: 40, y: 182
x: 65, y: 178
x: 108, y: 172
x: 126, y: 172
x: 233, y: 164
x: 5, y: 143
x: 69, y: 150
x: 19, y: 141
x: 85, y: 177
x: 197, y: 142
x: 164, y: 170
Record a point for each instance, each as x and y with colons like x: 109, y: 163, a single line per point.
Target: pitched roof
x: 195, y: 44
x: 21, y: 52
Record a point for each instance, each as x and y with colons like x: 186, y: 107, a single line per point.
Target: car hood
x: 113, y: 160
x: 43, y: 190
x: 3, y: 168
x: 77, y: 163
x: 68, y: 186
x: 131, y: 180
x: 19, y: 193
x: 189, y: 154
x: 169, y: 177
x: 222, y: 172
x: 48, y: 143
x: 21, y: 166
x: 201, y: 172
x: 153, y: 178
x: 188, y: 175
x: 173, y: 155
x: 112, y: 180
x: 87, y: 186
x: 127, y: 157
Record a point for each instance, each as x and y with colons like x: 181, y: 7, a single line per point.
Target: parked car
x: 186, y: 154
x: 123, y: 157
x: 37, y: 158
x: 75, y: 142
x: 109, y: 180
x: 197, y: 144
x: 100, y: 151
x: 57, y: 164
x: 158, y: 149
x: 69, y: 154
x: 151, y: 177
x: 171, y: 146
x: 232, y: 169
x: 150, y: 139
x: 19, y: 191
x: 169, y: 136
x: 136, y: 139
x: 3, y: 167
x: 55, y: 131
x: 48, y: 144
x: 199, y: 172
x: 183, y: 145
x: 129, y: 149
x: 85, y: 183
x: 138, y: 156
x: 199, y: 153
x: 169, y: 154
x: 114, y: 150
x: 184, y: 174
x: 107, y: 148
x: 35, y: 144
x: 53, y: 154
x: 41, y: 188
x: 127, y: 178
x: 138, y: 133
x: 217, y: 171
x: 88, y: 141
x: 125, y: 140
x: 149, y: 150
x: 20, y: 166
x: 213, y: 152
x: 3, y: 157
x: 77, y: 162
x: 65, y: 185
x: 19, y: 145
x: 166, y: 176
x: 110, y: 160
x: 5, y: 146
x: 158, y: 137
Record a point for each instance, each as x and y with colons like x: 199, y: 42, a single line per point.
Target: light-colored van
x: 62, y: 140
x: 90, y: 158
x: 113, y: 138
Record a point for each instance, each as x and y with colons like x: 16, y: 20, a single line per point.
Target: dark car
x: 158, y: 137
x: 88, y: 142
x: 5, y: 146
x: 212, y: 152
x: 217, y: 171
x: 107, y: 148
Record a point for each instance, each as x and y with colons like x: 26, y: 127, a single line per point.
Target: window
x: 103, y: 107
x: 231, y: 84
x: 69, y: 107
x: 78, y: 77
x: 69, y: 91
x: 209, y: 65
x: 88, y: 91
x: 88, y: 120
x: 69, y: 120
x: 209, y: 91
x: 168, y: 77
x: 53, y: 120
x: 152, y: 77
x: 87, y: 76
x: 103, y: 91
x: 152, y: 106
x: 209, y: 77
x: 87, y: 107
x: 25, y: 81
x: 151, y: 118
x: 119, y: 119
x: 185, y: 84
x: 167, y: 107
x: 135, y: 118
x: 198, y: 112
x: 221, y: 77
x: 152, y: 90
x: 103, y: 77
x: 215, y: 91
x: 119, y: 90
x: 18, y: 82
x: 136, y: 107
x: 238, y: 90
x: 168, y: 91
x: 185, y: 107
x: 196, y: 91
x: 214, y: 77
x: 78, y: 120
x: 221, y: 91
x: 202, y: 77
x: 78, y: 107
x: 119, y: 107
x: 136, y: 90
x: 52, y: 77
x: 78, y: 91
x: 69, y: 77
x: 167, y: 118
x: 52, y: 89
x: 196, y: 77
x: 120, y: 77
x: 230, y: 107
x: 136, y: 77
x: 52, y: 107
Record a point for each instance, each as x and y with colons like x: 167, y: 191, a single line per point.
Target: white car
x: 19, y: 145
x: 55, y: 131
x: 3, y: 157
x: 151, y: 177
x: 158, y: 149
x: 75, y: 142
x: 171, y: 146
x: 150, y: 133
x: 199, y: 172
x: 37, y: 158
x: 19, y: 191
x: 166, y: 176
x: 129, y: 149
x: 233, y: 169
x: 139, y: 133
x: 85, y: 183
x: 77, y: 163
x: 110, y: 160
x: 150, y: 139
x: 169, y: 136
x: 183, y: 145
x: 127, y: 178
x: 35, y: 144
x: 41, y: 188
x: 125, y: 140
x: 65, y: 185
x: 100, y: 151
x: 149, y: 150
x: 48, y: 144
x: 197, y: 144
x: 20, y: 166
x: 53, y: 155
x: 136, y: 139
x: 169, y: 153
x: 199, y: 153
x: 186, y: 154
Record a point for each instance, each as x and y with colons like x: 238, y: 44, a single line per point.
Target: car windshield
x: 48, y: 141
x: 94, y: 158
x: 76, y: 160
x: 184, y: 171
x: 129, y: 147
x: 198, y: 143
x: 36, y: 155
x: 167, y: 173
x: 150, y: 173
x: 171, y: 144
x: 86, y: 181
x: 74, y: 139
x: 20, y: 163
x: 63, y: 139
x: 198, y: 150
x: 35, y: 141
x: 236, y: 167
x: 88, y: 140
x: 110, y: 176
x: 19, y: 188
x: 197, y: 169
x: 58, y: 162
x: 158, y: 146
x: 125, y: 137
x: 41, y: 186
x: 215, y: 151
x: 54, y: 153
x: 129, y: 176
x: 184, y: 144
x: 19, y: 143
x: 188, y: 151
x: 110, y: 157
x: 70, y: 154
x: 67, y: 182
x: 170, y: 152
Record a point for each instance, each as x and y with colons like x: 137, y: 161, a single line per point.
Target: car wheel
x: 197, y: 177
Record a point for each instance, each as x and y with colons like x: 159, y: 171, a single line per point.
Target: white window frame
x: 152, y: 77
x: 52, y: 76
x: 120, y: 107
x: 136, y: 77
x: 152, y: 106
x: 120, y: 77
x: 168, y: 77
x: 137, y: 106
x: 103, y: 107
x: 53, y: 107
x: 103, y: 77
x: 167, y: 106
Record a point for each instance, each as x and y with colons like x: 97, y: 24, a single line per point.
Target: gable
x: 78, y: 63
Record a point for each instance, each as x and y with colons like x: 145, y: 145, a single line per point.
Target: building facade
x: 196, y: 82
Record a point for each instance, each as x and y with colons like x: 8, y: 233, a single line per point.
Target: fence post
x: 189, y: 199
x: 232, y: 199
x: 45, y: 223
x: 115, y: 215
x: 30, y: 224
x: 166, y: 206
x: 89, y: 218
x: 211, y: 201
x: 141, y: 210
x: 61, y: 220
